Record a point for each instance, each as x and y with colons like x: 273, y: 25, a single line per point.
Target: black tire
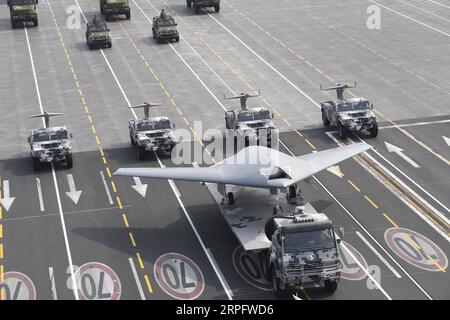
x: 36, y: 164
x: 196, y: 8
x: 133, y: 143
x: 342, y: 131
x: 269, y: 229
x: 154, y: 34
x: 91, y: 46
x: 230, y: 196
x: 330, y: 286
x: 128, y: 15
x: 107, y: 16
x: 141, y: 153
x: 110, y: 45
x: 217, y: 7
x: 69, y: 162
x: 279, y: 293
x: 374, y: 131
x: 159, y: 40
x: 326, y: 122
x: 177, y: 39
x: 13, y: 24
x: 35, y: 22
x: 188, y: 3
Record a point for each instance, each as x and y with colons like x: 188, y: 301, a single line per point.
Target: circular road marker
x: 97, y: 281
x: 17, y: 286
x: 251, y: 268
x: 179, y: 276
x: 350, y: 269
x: 416, y: 249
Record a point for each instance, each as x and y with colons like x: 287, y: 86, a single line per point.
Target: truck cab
x: 22, y: 11
x: 110, y: 8
x: 303, y: 253
x: 165, y: 29
x: 198, y: 4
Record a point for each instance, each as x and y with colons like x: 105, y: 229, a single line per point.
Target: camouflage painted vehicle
x: 50, y: 144
x: 304, y: 252
x: 165, y: 29
x: 22, y: 11
x: 250, y: 123
x: 110, y: 8
x: 97, y: 34
x: 347, y: 115
x: 198, y: 4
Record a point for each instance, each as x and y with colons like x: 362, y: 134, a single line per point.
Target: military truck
x: 151, y: 134
x: 198, y: 4
x: 165, y: 29
x: 97, y: 34
x: 22, y: 11
x: 109, y: 8
x: 50, y: 144
x: 250, y: 123
x: 303, y: 252
x: 354, y: 114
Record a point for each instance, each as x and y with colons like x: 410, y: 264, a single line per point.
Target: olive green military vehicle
x: 165, y: 29
x: 198, y: 4
x: 97, y: 34
x: 22, y: 11
x: 110, y: 8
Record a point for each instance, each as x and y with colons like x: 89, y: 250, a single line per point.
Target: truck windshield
x: 98, y: 28
x: 49, y: 136
x: 19, y: 2
x: 310, y: 240
x: 351, y: 106
x: 361, y: 105
x: 250, y: 116
x: 116, y: 1
x: 261, y: 115
x: 166, y: 22
x: 148, y: 126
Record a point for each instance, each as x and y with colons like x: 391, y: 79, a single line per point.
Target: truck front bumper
x: 122, y: 10
x: 24, y: 17
x: 207, y: 3
x: 313, y: 279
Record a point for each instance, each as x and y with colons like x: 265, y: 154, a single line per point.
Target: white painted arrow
x: 73, y: 194
x: 399, y: 151
x: 336, y: 171
x: 447, y: 140
x: 7, y: 201
x: 139, y: 187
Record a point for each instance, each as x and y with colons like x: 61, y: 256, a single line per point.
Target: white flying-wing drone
x: 255, y: 166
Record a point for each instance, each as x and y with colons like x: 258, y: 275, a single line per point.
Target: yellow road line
x: 108, y: 172
x: 310, y: 144
x: 1, y: 231
x: 119, y: 202
x: 141, y: 264
x: 287, y: 122
x: 132, y: 240
x: 1, y: 250
x: 113, y: 186
x: 390, y: 220
x: 435, y: 263
x: 149, y: 286
x: 125, y: 220
x: 101, y: 151
x: 371, y: 202
x: 354, y: 185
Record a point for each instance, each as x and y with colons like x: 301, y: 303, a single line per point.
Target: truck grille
x: 51, y: 145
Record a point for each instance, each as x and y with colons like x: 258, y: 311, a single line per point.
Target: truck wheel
x: 374, y: 131
x: 326, y: 122
x: 128, y: 15
x: 110, y: 45
x: 217, y: 7
x: 141, y: 153
x: 279, y: 293
x: 330, y: 286
x: 90, y: 46
x: 69, y: 162
x: 35, y: 22
x: 269, y: 228
x: 13, y: 24
x: 107, y: 16
x: 177, y: 39
x: 342, y: 131
x: 133, y: 143
x: 196, y: 8
x: 159, y: 40
x: 36, y: 164
x: 189, y: 3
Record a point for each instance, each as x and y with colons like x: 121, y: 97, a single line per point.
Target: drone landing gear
x: 294, y: 195
x: 227, y: 197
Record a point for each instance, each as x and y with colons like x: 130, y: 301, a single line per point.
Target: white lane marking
x: 52, y: 282
x: 136, y: 278
x: 412, y: 19
x: 139, y: 187
x: 365, y: 230
x: 73, y: 194
x: 7, y: 200
x: 378, y: 255
x: 365, y: 271
x: 400, y: 152
x: 227, y: 286
x: 61, y: 214
x: 208, y: 254
x: 439, y: 3
x: 424, y: 123
x: 447, y: 140
x: 159, y: 161
x: 39, y: 189
x: 105, y: 184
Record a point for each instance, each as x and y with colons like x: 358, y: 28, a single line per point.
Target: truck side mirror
x: 371, y: 106
x: 273, y: 116
x: 173, y: 125
x: 71, y: 135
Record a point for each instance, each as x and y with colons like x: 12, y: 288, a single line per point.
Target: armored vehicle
x: 151, y: 134
x: 250, y: 123
x: 97, y: 34
x: 22, y: 11
x: 198, y: 4
x: 164, y: 28
x: 109, y: 8
x: 50, y: 144
x: 303, y: 252
x: 353, y: 114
